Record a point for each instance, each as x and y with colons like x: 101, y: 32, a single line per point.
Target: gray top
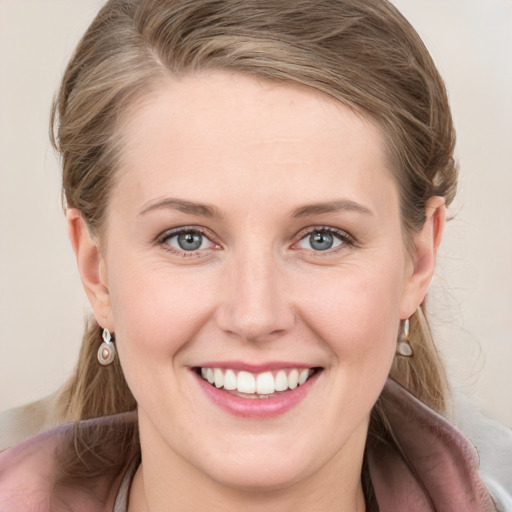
x: 121, y: 504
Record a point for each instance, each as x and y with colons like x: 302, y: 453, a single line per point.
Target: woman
x: 255, y: 195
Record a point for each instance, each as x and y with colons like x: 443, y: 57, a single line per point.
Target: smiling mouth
x: 256, y: 385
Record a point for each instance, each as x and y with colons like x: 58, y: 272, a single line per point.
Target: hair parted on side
x: 364, y: 54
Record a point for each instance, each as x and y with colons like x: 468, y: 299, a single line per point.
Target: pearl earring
x: 107, y: 350
x: 403, y: 347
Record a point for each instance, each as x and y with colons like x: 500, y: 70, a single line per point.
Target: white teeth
x: 265, y: 383
x: 303, y: 376
x: 219, y: 377
x: 230, y: 382
x: 293, y: 379
x: 281, y: 383
x: 246, y: 383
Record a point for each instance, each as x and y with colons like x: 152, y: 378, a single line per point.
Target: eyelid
x: 163, y: 237
x: 343, y: 235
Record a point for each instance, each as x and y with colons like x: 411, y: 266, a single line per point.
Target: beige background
x: 41, y: 302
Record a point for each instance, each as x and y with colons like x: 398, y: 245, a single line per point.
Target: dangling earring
x: 403, y: 347
x: 107, y: 350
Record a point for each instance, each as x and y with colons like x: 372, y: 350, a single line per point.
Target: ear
x: 91, y: 266
x: 425, y: 246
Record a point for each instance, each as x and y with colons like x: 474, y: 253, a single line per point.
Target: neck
x: 164, y: 481
x: 147, y: 497
x: 263, y: 474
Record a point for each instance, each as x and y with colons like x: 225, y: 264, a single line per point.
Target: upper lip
x: 255, y: 368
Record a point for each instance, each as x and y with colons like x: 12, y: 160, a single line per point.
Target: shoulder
x: 22, y: 422
x: 26, y: 472
x: 75, y: 465
x: 493, y: 442
x: 433, y: 465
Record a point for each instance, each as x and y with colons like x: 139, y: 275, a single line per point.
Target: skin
x: 258, y: 153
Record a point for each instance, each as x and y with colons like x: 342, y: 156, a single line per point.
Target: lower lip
x: 257, y: 408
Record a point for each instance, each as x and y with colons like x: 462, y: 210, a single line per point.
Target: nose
x: 256, y: 305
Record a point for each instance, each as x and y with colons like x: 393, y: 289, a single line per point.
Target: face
x: 253, y: 239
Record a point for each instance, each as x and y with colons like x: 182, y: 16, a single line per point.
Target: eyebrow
x: 210, y: 211
x: 201, y: 209
x: 330, y: 207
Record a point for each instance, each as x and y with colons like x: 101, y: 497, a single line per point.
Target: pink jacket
x: 437, y: 471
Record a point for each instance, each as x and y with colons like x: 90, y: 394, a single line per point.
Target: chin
x: 260, y: 475
x: 272, y: 462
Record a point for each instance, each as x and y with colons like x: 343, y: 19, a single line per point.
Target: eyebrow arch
x: 329, y: 207
x: 204, y: 210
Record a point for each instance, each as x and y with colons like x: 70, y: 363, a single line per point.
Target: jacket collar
x: 434, y: 469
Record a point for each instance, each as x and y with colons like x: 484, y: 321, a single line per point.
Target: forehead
x: 212, y: 131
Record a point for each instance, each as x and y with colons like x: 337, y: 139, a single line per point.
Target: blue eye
x: 321, y: 240
x: 188, y: 240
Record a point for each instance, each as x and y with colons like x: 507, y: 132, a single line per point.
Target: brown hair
x: 364, y: 54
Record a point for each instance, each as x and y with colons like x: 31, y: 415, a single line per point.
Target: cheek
x: 156, y: 317
x: 357, y: 314
x: 156, y: 312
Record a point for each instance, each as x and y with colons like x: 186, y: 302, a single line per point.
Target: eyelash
x: 163, y: 239
x: 346, y: 239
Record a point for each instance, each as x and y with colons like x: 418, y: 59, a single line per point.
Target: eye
x: 188, y: 240
x: 322, y: 240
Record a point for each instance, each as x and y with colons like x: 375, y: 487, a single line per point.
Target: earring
x: 107, y: 350
x: 403, y: 347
